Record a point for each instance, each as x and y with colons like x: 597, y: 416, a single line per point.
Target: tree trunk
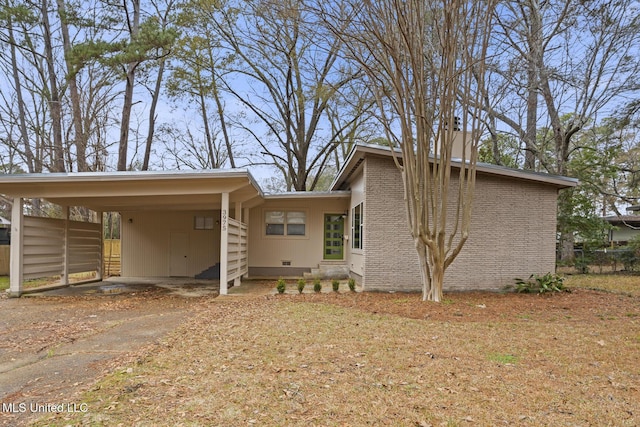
x: 533, y: 60
x: 134, y: 28
x: 152, y: 116
x: 28, y: 154
x: 567, y: 242
x: 55, y: 107
x: 80, y: 137
x: 223, y: 122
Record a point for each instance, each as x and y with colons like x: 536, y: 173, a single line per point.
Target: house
x: 5, y: 234
x: 625, y: 228
x: 185, y: 224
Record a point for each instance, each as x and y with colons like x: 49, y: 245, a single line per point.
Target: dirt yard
x: 51, y: 348
x: 372, y: 359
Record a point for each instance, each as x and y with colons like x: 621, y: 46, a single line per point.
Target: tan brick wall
x: 391, y: 261
x: 512, y: 233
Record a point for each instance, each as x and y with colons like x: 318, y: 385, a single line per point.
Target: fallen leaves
x: 302, y: 361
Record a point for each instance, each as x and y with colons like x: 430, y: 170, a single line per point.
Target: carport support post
x: 238, y: 216
x: 246, y: 221
x: 65, y: 258
x: 224, y: 242
x: 100, y: 272
x: 17, y: 253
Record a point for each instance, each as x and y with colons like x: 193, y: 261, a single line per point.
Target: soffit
x: 133, y: 191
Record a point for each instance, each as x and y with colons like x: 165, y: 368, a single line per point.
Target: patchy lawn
x: 385, y: 359
x: 629, y: 284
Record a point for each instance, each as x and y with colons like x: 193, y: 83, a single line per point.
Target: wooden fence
x: 111, y: 257
x: 5, y: 251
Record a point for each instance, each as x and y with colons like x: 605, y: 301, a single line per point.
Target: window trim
x: 359, y: 227
x: 285, y: 224
x: 203, y: 222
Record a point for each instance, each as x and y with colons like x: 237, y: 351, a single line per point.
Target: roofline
x: 308, y: 195
x: 128, y: 176
x: 353, y: 160
x: 621, y: 218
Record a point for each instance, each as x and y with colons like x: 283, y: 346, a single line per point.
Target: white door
x: 179, y: 248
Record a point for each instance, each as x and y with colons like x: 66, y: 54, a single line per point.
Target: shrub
x: 582, y: 265
x: 335, y: 284
x: 317, y: 287
x: 352, y: 284
x: 629, y: 259
x: 281, y: 286
x: 301, y: 284
x: 541, y: 284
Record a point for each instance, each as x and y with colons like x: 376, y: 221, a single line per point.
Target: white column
x: 246, y: 221
x: 17, y: 253
x: 238, y: 217
x: 65, y: 257
x: 100, y: 272
x: 224, y: 242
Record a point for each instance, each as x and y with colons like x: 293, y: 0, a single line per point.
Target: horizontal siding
x: 85, y: 246
x: 43, y: 243
x: 44, y: 247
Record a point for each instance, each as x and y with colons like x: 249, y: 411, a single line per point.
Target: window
x: 203, y: 223
x: 357, y: 226
x: 285, y: 223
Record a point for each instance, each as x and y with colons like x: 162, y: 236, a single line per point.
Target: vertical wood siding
x: 146, y: 242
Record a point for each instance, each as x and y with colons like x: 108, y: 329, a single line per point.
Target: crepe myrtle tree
x: 424, y: 60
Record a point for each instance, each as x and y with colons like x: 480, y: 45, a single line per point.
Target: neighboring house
x: 5, y: 231
x: 219, y: 223
x: 625, y: 228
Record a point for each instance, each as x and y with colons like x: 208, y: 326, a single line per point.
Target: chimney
x: 458, y: 145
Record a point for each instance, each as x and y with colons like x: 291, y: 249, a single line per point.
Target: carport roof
x: 132, y: 191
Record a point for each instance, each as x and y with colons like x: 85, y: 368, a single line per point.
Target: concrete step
x: 329, y: 271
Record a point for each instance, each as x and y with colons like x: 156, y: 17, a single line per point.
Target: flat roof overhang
x: 137, y: 191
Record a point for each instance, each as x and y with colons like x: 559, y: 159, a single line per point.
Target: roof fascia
x: 360, y: 150
x: 308, y: 195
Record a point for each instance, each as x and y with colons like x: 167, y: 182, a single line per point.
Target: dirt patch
x: 385, y: 359
x: 51, y: 348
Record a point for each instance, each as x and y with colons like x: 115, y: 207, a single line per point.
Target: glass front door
x: 333, y: 236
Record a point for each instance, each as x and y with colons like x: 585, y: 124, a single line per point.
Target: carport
x: 61, y: 246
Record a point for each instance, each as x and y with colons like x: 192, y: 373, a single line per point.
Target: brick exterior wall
x: 390, y: 258
x: 513, y: 233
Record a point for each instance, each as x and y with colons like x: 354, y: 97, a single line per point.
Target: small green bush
x: 301, y: 284
x: 335, y: 284
x: 281, y: 285
x: 582, y: 265
x: 317, y: 286
x: 352, y: 284
x: 541, y: 284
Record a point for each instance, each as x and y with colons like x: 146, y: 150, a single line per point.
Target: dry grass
x: 629, y: 284
x: 381, y: 359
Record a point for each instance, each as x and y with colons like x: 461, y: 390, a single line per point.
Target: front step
x: 327, y: 270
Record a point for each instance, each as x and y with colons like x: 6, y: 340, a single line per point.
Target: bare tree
x: 422, y: 58
x: 164, y: 12
x: 197, y: 73
x: 290, y: 71
x: 560, y: 64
